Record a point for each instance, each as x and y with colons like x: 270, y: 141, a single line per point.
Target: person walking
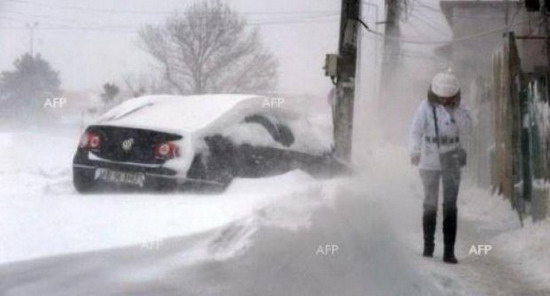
x: 437, y: 135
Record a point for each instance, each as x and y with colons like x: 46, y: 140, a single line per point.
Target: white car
x: 168, y: 142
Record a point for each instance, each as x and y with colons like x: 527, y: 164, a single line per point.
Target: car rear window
x: 119, y: 115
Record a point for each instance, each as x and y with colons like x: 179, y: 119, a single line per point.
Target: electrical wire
x: 293, y: 22
x: 24, y: 18
x: 74, y: 25
x: 431, y: 9
x: 424, y: 20
x: 133, y: 29
x: 424, y: 5
x: 281, y: 19
x: 419, y: 32
x: 422, y: 27
x: 423, y: 42
x: 165, y: 12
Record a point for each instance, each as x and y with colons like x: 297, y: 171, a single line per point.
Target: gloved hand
x: 415, y: 159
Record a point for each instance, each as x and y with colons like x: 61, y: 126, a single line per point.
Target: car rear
x: 115, y: 156
x: 150, y: 142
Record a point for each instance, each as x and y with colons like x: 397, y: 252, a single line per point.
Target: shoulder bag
x: 450, y: 160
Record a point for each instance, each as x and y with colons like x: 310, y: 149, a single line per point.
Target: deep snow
x: 260, y: 238
x: 43, y: 216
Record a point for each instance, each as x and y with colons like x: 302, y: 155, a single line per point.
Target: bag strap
x: 436, y: 127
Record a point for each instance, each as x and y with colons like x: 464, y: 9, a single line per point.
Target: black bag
x: 450, y: 160
x: 454, y: 159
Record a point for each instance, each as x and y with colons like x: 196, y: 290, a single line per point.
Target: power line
x: 133, y: 29
x: 293, y: 22
x: 431, y: 9
x: 424, y: 5
x: 303, y: 18
x: 88, y: 9
x: 165, y: 12
x: 422, y: 19
x: 273, y: 14
x: 30, y: 17
x: 73, y: 25
x: 420, y: 31
x: 424, y: 42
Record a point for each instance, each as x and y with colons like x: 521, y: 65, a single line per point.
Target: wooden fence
x: 510, y: 147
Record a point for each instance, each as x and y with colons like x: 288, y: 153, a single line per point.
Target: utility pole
x: 546, y: 32
x: 31, y: 27
x: 345, y: 85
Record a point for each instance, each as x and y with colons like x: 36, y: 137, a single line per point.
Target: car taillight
x: 166, y: 150
x: 90, y: 140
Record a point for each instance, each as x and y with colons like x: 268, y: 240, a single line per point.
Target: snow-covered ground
x: 517, y: 263
x: 43, y: 216
x: 286, y: 235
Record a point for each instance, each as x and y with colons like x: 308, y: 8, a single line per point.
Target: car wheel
x: 83, y: 181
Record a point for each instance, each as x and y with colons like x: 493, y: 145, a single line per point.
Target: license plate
x: 120, y: 177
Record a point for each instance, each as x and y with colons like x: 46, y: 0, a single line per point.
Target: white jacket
x: 454, y: 125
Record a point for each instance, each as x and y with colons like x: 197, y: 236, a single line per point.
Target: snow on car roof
x: 171, y: 112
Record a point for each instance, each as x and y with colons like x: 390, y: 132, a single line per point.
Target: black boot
x: 428, y: 223
x: 449, y: 235
x: 449, y: 255
x: 428, y: 250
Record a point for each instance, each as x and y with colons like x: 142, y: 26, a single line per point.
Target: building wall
x: 532, y: 51
x: 471, y: 20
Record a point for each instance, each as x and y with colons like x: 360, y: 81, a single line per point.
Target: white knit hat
x: 445, y: 84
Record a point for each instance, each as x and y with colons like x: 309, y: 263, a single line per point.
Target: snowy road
x: 262, y: 237
x: 255, y: 256
x: 42, y: 215
x: 275, y: 251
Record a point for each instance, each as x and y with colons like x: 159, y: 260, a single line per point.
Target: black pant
x: 451, y: 182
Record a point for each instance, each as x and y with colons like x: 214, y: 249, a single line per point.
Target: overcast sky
x: 93, y: 42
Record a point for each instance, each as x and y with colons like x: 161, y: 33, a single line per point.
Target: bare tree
x: 209, y: 49
x: 141, y: 83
